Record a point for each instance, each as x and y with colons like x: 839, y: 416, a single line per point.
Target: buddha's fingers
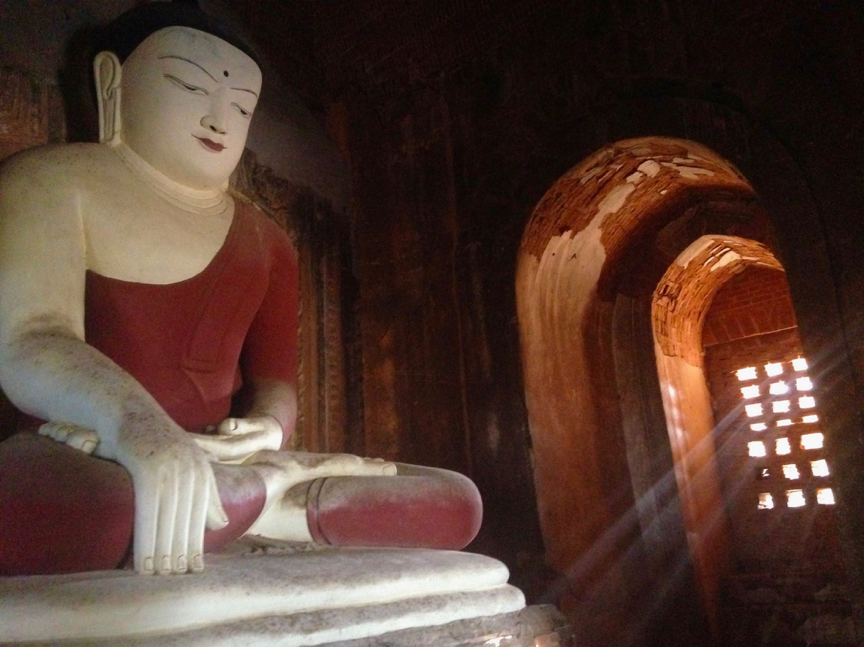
x: 231, y: 426
x: 348, y: 465
x: 216, y: 518
x: 237, y: 426
x: 262, y: 432
x: 304, y: 466
x: 146, y: 488
x: 167, y: 519
x: 240, y: 444
x: 213, y: 445
x: 197, y: 524
x: 180, y: 545
x: 85, y: 440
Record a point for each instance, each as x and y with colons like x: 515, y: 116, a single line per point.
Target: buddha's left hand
x: 84, y: 440
x: 236, y: 438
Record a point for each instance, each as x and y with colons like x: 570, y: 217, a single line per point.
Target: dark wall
x: 456, y: 117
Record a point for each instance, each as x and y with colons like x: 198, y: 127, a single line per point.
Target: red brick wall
x: 755, y: 302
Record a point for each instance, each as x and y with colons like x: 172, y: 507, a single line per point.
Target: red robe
x: 191, y: 343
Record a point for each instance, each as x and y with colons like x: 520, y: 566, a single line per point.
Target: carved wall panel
x: 323, y: 415
x: 30, y: 112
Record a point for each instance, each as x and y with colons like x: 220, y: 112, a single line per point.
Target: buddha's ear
x: 108, y: 72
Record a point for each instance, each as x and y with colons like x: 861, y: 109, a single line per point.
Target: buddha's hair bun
x: 130, y: 29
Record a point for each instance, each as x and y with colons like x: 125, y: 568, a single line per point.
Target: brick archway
x: 576, y: 256
x: 679, y: 307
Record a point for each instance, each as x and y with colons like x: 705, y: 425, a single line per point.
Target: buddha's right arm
x: 47, y: 369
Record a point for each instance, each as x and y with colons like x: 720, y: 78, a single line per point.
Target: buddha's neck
x: 202, y: 201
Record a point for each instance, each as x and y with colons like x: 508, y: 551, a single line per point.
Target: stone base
x: 535, y: 626
x: 290, y: 600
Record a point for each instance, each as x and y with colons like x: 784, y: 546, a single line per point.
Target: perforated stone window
x: 779, y: 416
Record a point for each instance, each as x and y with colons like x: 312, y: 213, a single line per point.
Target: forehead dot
x: 225, y: 72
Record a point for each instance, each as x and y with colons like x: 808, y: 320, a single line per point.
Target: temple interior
x: 604, y: 258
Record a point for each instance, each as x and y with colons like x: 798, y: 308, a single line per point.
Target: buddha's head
x: 178, y: 91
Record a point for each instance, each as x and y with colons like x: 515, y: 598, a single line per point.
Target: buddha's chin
x: 194, y: 168
x: 212, y: 169
x: 201, y: 176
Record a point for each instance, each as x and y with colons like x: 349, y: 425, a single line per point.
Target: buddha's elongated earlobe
x: 108, y: 71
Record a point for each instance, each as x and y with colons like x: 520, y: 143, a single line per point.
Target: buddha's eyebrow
x: 180, y: 58
x: 245, y: 90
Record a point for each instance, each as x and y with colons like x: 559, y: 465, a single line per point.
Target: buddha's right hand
x: 175, y: 494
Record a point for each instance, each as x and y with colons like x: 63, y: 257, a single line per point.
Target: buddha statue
x: 148, y: 333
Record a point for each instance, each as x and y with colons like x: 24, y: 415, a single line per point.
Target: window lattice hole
x: 791, y: 472
x: 819, y: 468
x: 795, y: 499
x: 812, y: 441
x: 825, y: 496
x: 753, y: 410
x: 745, y: 374
x: 781, y: 406
x: 773, y: 369
x: 778, y: 388
x: 756, y: 448
x: 766, y: 501
x: 751, y: 391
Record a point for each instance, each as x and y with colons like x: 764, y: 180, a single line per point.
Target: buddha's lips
x: 209, y: 143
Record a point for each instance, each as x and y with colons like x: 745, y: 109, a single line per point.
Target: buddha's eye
x: 194, y: 89
x: 246, y: 113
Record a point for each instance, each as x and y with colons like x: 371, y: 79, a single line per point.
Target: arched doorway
x: 607, y: 477
x: 680, y: 305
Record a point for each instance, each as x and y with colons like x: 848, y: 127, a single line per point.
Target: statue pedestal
x: 297, y: 599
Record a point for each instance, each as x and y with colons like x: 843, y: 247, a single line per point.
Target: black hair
x: 130, y: 29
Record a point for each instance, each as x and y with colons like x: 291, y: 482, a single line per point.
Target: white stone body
x: 147, y: 205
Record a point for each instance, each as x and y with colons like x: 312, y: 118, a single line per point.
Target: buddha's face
x: 186, y: 103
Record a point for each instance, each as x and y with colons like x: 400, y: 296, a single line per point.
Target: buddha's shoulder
x: 268, y: 230
x: 59, y: 164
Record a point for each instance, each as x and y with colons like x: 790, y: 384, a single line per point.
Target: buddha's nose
x: 215, y: 125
